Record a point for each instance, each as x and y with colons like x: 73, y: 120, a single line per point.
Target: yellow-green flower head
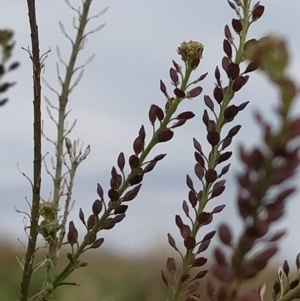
x: 190, y: 51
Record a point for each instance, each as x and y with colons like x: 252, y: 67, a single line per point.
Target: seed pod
x: 174, y: 76
x: 72, y: 234
x: 97, y: 243
x: 258, y: 12
x: 237, y: 25
x: 227, y: 48
x: 165, y: 135
x: 190, y: 242
x: 171, y: 265
x: 213, y: 137
x: 97, y: 207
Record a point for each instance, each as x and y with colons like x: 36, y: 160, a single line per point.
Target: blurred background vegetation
x: 109, y: 277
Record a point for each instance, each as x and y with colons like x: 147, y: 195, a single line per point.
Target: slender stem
x: 63, y: 100
x: 29, y: 257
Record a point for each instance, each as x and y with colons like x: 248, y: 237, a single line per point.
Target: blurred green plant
x: 6, y: 46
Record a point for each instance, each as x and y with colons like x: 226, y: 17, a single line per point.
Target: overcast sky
x: 133, y: 52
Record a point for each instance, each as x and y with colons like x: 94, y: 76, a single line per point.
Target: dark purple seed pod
x: 199, y: 159
x: 243, y: 105
x: 276, y: 288
x: 159, y: 157
x: 179, y: 123
x: 185, y: 208
x: 211, y: 175
x: 142, y: 133
x: 201, y: 274
x: 138, y: 145
x: 225, y: 234
x: 179, y: 93
x: 186, y: 115
x: 199, y: 171
x: 163, y: 88
x: 197, y: 145
x: 233, y: 71
x: 199, y: 262
x: 184, y: 277
x: 298, y: 261
x: 97, y: 243
x: 190, y: 242
x: 258, y: 12
x: 165, y: 135
x: 189, y: 183
x: 204, y: 218
x: 204, y: 246
x: 121, y: 209
x: 194, y: 92
x: 149, y: 167
x: 213, y: 137
x: 72, y: 235
x: 230, y: 112
x: 226, y: 143
x: 100, y: 192
x: 227, y: 48
x: 224, y: 157
x: 171, y: 265
x: 224, y: 170
x: 219, y: 208
x: 152, y: 114
x: 108, y: 225
x: 113, y: 195
x: 97, y: 207
x: 237, y: 25
x: 92, y: 220
x: 131, y: 194
x: 192, y: 198
x: 137, y: 179
x: 239, y: 83
x: 134, y: 161
x: 200, y: 78
x: 195, y: 63
x: 232, y: 5
x: 225, y: 62
x: 233, y: 131
x: 81, y: 216
x: 218, y: 74
x: 205, y: 117
x: 119, y: 218
x: 121, y: 161
x: 174, y: 76
x: 208, y: 102
x: 176, y: 66
x: 159, y: 113
x: 286, y: 268
x: 217, y: 191
x: 218, y: 94
x: 172, y: 242
x: 228, y: 34
x: 179, y: 222
x: 209, y: 235
x: 252, y: 67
